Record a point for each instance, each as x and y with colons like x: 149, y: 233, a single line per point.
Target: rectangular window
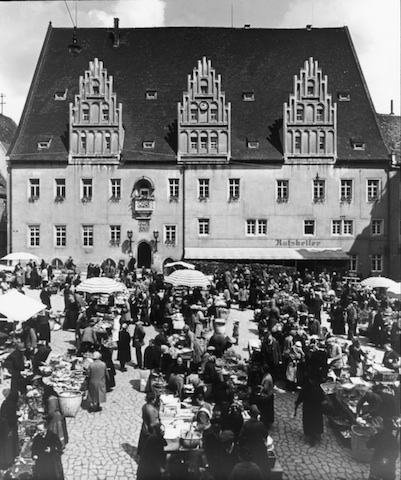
x: 151, y: 95
x: 203, y: 187
x: 251, y: 227
x: 322, y: 143
x: 60, y: 187
x: 233, y: 188
x: 377, y: 227
x: 336, y: 227
x: 34, y: 235
x: 170, y: 234
x: 194, y: 142
x: 309, y: 227
x: 213, y: 114
x: 87, y: 189
x: 203, y: 142
x: 203, y: 226
x: 105, y: 114
x: 85, y: 114
x: 282, y: 190
x: 353, y: 263
x: 348, y: 227
x: 115, y: 234
x: 297, y: 143
x: 319, y: 190
x: 372, y: 190
x: 83, y: 143
x: 87, y: 235
x: 377, y: 263
x: 300, y: 113
x: 262, y: 227
x: 213, y: 142
x: 346, y: 190
x: 60, y: 234
x: 174, y: 187
x: 194, y: 114
x: 115, y: 187
x: 34, y: 188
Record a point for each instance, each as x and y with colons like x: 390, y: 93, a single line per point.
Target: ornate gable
x: 96, y: 130
x: 310, y: 119
x: 204, y: 118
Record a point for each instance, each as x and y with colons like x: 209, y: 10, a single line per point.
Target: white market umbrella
x: 19, y: 307
x: 180, y: 264
x: 188, y: 278
x: 100, y: 285
x: 21, y: 256
x: 377, y: 282
x: 394, y: 291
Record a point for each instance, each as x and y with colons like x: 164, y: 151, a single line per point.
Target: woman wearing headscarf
x: 294, y: 368
x: 46, y: 451
x: 9, y: 443
x: 124, y: 347
x: 153, y: 458
x: 150, y: 416
x: 56, y: 421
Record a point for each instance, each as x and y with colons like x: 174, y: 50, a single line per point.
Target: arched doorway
x: 144, y: 255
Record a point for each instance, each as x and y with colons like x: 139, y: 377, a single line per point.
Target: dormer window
x: 204, y: 86
x: 358, y: 144
x: 61, y: 95
x: 44, y: 144
x: 343, y: 96
x: 151, y: 95
x: 148, y: 144
x: 253, y: 144
x: 248, y: 96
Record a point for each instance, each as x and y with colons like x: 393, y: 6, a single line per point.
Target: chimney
x: 247, y: 25
x: 116, y: 33
x: 309, y: 27
x: 392, y: 107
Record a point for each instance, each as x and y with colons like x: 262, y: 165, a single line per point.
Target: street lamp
x: 156, y: 236
x: 129, y: 235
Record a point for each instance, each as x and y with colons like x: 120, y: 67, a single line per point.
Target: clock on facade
x: 203, y: 106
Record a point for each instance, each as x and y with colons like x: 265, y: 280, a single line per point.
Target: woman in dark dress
x: 9, y: 443
x: 153, y: 457
x: 107, y: 358
x: 124, y: 347
x: 46, y: 450
x: 56, y: 421
x: 311, y: 396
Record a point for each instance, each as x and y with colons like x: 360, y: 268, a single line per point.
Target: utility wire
x: 72, y: 20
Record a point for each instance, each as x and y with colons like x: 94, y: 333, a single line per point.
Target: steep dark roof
x: 262, y: 60
x: 7, y: 129
x: 390, y: 126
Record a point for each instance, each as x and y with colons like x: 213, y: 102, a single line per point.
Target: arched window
x: 85, y: 112
x: 194, y: 112
x: 83, y: 142
x: 57, y: 263
x: 107, y: 142
x: 213, y: 112
x: 319, y: 113
x: 204, y: 86
x: 105, y: 112
x: 310, y: 89
x: 194, y: 141
x: 96, y: 87
x: 213, y: 142
x: 300, y: 113
x: 297, y: 142
x: 203, y: 141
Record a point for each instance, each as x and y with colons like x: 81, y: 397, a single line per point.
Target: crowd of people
x: 295, y: 353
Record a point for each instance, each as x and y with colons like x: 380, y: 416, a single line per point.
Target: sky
x: 374, y: 26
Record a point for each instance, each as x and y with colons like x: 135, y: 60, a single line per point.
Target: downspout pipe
x: 9, y: 207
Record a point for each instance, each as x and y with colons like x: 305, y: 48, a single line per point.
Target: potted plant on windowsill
x: 233, y: 198
x: 59, y: 199
x: 173, y: 198
x: 318, y: 200
x: 282, y: 199
x: 114, y: 243
x: 33, y: 198
x: 86, y: 199
x: 203, y: 198
x: 372, y: 199
x: 169, y: 243
x: 346, y: 199
x: 114, y: 199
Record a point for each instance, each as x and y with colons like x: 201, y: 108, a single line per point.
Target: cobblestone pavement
x: 103, y: 445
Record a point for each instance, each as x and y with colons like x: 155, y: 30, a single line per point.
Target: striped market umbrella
x: 100, y: 285
x: 188, y: 278
x: 394, y: 291
x: 377, y: 282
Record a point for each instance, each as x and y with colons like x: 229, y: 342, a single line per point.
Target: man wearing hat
x: 230, y: 456
x: 97, y: 375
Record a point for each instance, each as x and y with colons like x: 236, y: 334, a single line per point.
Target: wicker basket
x: 70, y: 403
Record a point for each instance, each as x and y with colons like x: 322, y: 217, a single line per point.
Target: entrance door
x: 144, y: 255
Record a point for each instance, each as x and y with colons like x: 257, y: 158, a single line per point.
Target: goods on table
x: 190, y: 439
x: 63, y: 377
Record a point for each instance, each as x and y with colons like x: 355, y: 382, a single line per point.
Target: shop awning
x: 229, y: 253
